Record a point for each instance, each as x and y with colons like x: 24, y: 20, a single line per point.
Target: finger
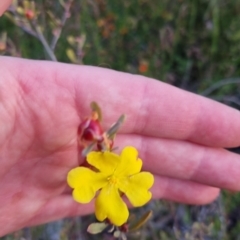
x: 183, y: 191
x: 178, y: 159
x: 158, y: 110
x: 60, y: 207
x: 153, y: 108
x: 4, y: 4
x: 164, y: 188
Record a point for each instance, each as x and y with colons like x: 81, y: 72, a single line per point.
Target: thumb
x: 4, y: 4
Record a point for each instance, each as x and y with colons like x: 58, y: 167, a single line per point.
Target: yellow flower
x: 115, y: 175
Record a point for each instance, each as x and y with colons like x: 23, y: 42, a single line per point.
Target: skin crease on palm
x: 180, y: 137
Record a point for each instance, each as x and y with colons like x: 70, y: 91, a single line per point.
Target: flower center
x: 113, y: 180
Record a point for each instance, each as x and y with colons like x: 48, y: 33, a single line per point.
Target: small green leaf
x: 62, y: 3
x: 141, y: 221
x: 20, y: 10
x: 95, y: 228
x: 10, y: 17
x: 114, y: 128
x: 88, y: 149
x: 26, y: 4
x: 3, y: 37
x: 95, y: 107
x: 71, y: 55
x: 71, y: 40
x: 117, y: 234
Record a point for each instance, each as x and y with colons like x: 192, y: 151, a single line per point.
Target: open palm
x: 180, y: 137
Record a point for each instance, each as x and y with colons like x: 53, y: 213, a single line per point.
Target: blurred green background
x: 192, y: 44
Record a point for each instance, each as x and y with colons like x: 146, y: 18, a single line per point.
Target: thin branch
x: 63, y: 21
x: 43, y: 41
x: 27, y: 30
x: 35, y: 31
x: 219, y: 84
x: 19, y: 23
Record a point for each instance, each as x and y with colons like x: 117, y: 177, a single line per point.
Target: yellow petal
x: 136, y: 188
x: 130, y: 163
x: 104, y: 161
x: 83, y: 195
x: 85, y: 183
x: 110, y: 205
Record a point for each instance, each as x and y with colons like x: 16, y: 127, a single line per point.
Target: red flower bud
x: 90, y: 130
x: 29, y: 14
x: 124, y: 228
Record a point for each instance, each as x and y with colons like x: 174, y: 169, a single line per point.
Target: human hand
x: 180, y: 137
x: 4, y: 4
